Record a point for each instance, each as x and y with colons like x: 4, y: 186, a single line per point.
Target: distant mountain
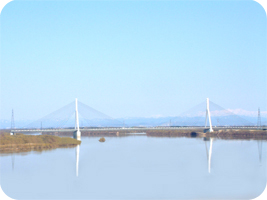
x: 230, y: 120
x: 5, y: 124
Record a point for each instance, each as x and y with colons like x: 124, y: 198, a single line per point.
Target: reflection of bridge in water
x: 208, y: 146
x: 209, y: 150
x: 77, y: 159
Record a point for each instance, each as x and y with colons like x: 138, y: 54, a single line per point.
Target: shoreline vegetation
x: 23, y: 143
x: 102, y: 139
x: 227, y: 134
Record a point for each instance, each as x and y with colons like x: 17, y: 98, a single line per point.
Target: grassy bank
x: 23, y: 143
x: 227, y: 134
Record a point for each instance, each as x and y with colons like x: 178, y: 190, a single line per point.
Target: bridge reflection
x: 260, y: 149
x: 208, y: 152
x: 77, y: 154
x: 77, y: 159
x: 13, y: 161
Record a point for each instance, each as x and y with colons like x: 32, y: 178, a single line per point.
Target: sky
x: 132, y: 58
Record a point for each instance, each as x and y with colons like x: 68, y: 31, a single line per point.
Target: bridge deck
x: 134, y: 128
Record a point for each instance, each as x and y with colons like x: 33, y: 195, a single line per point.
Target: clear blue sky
x: 132, y: 58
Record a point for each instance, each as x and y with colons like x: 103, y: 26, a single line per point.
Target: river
x: 139, y: 167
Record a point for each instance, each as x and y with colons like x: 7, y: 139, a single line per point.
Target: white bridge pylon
x: 77, y: 132
x: 208, y: 115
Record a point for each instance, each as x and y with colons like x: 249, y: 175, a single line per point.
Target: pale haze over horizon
x: 132, y: 59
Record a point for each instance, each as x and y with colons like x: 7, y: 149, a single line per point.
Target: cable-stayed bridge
x: 65, y: 117
x: 220, y: 117
x: 78, y: 116
x: 207, y: 116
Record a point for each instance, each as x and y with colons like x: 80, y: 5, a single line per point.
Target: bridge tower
x: 77, y: 132
x: 208, y: 115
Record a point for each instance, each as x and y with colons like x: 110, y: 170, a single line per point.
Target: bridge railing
x: 131, y: 128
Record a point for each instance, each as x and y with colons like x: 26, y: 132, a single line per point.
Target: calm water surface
x: 139, y: 167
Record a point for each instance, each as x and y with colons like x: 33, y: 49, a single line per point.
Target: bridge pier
x: 77, y: 135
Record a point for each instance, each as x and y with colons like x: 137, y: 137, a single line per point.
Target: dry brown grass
x: 21, y: 142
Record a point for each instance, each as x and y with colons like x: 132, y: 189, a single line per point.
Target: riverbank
x: 227, y: 134
x: 24, y: 143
